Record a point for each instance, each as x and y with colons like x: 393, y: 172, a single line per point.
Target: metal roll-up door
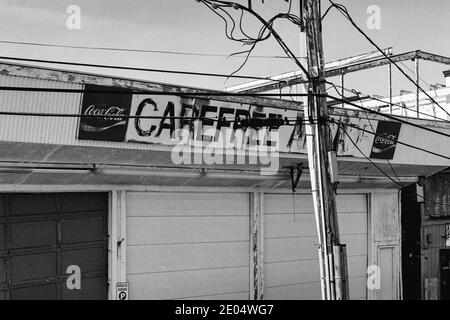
x: 291, y: 269
x: 47, y: 238
x: 187, y: 245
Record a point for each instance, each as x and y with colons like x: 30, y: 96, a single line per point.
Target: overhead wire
x: 395, y: 118
x: 391, y: 139
x: 224, y: 94
x: 399, y: 182
x: 170, y: 52
x: 343, y: 10
x: 371, y: 97
x: 267, y: 26
x: 192, y: 73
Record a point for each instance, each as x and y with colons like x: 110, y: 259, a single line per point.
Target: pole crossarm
x: 335, y: 69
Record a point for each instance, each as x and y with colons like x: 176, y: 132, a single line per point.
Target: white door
x: 291, y: 269
x: 188, y: 245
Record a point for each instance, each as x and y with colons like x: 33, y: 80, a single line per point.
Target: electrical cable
x: 32, y: 89
x: 192, y: 73
x: 345, y: 101
x: 267, y: 25
x: 370, y: 97
x: 182, y: 53
x: 367, y: 158
x: 152, y: 92
x: 224, y: 94
x: 370, y: 123
x: 265, y: 122
x: 390, y: 139
x: 343, y: 10
x: 399, y: 183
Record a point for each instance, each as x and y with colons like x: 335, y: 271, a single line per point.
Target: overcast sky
x: 186, y: 25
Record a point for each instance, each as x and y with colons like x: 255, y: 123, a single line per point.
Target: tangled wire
x: 267, y: 30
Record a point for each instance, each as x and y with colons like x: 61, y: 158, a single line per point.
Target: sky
x: 188, y: 26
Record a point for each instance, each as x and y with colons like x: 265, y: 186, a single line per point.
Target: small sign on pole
x: 122, y: 290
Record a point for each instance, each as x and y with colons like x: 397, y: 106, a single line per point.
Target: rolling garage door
x: 291, y: 269
x: 45, y: 239
x: 188, y: 245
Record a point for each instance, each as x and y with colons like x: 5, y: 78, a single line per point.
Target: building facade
x: 96, y: 192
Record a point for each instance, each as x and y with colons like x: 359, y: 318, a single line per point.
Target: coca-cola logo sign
x: 106, y: 110
x: 385, y: 140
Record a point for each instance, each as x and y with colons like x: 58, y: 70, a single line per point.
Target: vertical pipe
x: 338, y: 272
x: 332, y: 261
x: 342, y: 87
x: 390, y: 87
x: 416, y: 61
x: 345, y: 272
x: 256, y: 247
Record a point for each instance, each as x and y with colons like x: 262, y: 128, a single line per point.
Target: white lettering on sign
x: 108, y: 113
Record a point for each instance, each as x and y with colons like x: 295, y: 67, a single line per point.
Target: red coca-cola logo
x: 107, y: 113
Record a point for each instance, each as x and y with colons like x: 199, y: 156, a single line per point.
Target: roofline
x: 80, y: 77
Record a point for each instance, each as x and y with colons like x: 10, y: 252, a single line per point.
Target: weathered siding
x: 434, y: 220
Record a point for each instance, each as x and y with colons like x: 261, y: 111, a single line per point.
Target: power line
x: 260, y: 122
x: 153, y: 92
x: 387, y: 160
x: 390, y: 139
x: 182, y: 53
x: 357, y: 93
x: 224, y: 94
x: 413, y: 72
x: 388, y: 116
x: 367, y: 96
x: 218, y: 5
x: 192, y: 73
x: 399, y: 183
x: 343, y: 10
x: 367, y: 158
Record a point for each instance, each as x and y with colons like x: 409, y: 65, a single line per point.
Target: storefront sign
x: 385, y: 141
x: 174, y: 120
x: 109, y: 107
x: 169, y: 128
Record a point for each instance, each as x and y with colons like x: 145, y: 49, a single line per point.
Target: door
x: 188, y: 245
x: 53, y: 246
x: 444, y: 263
x: 411, y: 254
x: 291, y: 266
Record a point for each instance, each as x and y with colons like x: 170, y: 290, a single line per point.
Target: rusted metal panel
x: 437, y: 195
x: 431, y: 289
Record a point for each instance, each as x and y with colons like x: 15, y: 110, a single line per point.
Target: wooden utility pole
x: 331, y: 254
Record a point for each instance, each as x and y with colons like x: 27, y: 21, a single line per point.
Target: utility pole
x: 332, y: 255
